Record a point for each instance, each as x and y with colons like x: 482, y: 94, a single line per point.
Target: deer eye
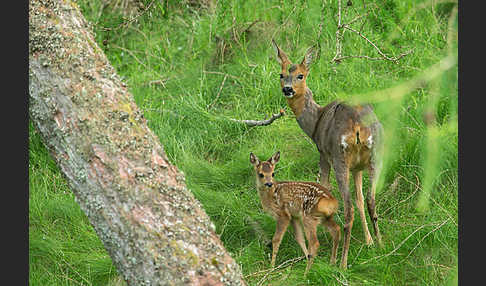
x: 273, y: 174
x: 281, y: 75
x: 261, y: 175
x: 300, y: 77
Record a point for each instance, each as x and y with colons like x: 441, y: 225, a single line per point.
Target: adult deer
x: 302, y: 203
x: 348, y: 138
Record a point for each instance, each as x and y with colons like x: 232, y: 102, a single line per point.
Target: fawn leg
x: 370, y: 200
x: 335, y: 231
x: 299, y: 235
x: 358, y: 184
x: 282, y: 224
x: 310, y: 227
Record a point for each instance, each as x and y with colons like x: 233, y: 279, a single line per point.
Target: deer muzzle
x: 288, y: 91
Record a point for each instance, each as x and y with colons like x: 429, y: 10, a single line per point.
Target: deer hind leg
x: 299, y: 235
x: 282, y: 224
x: 335, y: 232
x: 342, y: 177
x: 358, y: 184
x: 325, y: 170
x: 370, y: 200
x: 310, y: 227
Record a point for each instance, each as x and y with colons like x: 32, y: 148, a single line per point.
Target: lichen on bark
x: 137, y: 201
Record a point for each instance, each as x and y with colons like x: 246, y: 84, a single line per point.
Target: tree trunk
x: 153, y: 228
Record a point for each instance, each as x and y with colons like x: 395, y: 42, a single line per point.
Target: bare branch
x: 341, y: 28
x: 385, y: 57
x: 290, y: 262
x: 425, y: 236
x: 124, y: 24
x: 252, y: 123
x: 219, y: 92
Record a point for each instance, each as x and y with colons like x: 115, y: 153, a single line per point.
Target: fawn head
x: 293, y: 76
x: 264, y: 169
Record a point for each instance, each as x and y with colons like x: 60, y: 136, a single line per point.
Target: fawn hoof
x: 369, y: 241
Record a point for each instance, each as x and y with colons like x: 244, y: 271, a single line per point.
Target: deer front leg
x: 342, y: 178
x: 358, y: 184
x: 299, y: 235
x: 325, y: 170
x: 282, y: 224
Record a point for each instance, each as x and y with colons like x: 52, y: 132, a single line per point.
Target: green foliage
x: 193, y: 65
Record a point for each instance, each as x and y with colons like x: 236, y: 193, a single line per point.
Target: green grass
x: 182, y: 46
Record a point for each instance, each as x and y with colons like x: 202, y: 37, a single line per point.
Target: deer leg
x: 310, y: 227
x: 342, y: 178
x: 370, y: 201
x: 335, y: 232
x: 299, y: 235
x: 325, y: 170
x: 358, y: 184
x: 282, y: 224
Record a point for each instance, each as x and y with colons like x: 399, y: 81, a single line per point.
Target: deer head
x: 293, y: 76
x: 265, y: 170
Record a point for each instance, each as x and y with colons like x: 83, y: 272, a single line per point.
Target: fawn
x: 347, y: 137
x: 302, y: 203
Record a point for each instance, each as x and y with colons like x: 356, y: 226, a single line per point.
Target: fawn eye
x: 261, y: 175
x: 273, y: 174
x: 281, y: 75
x: 300, y: 76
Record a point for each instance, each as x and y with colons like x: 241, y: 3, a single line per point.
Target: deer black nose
x: 269, y: 184
x: 287, y: 90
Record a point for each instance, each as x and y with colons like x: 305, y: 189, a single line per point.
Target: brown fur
x: 299, y: 203
x: 349, y: 138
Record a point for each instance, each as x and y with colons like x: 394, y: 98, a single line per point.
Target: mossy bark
x: 153, y: 228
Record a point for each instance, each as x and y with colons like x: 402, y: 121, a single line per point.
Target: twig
x: 219, y: 92
x: 399, y: 245
x: 252, y: 123
x: 131, y: 54
x: 338, y: 57
x: 338, y: 34
x: 435, y: 229
x: 345, y: 283
x: 393, y: 59
x: 284, y: 22
x: 222, y: 73
x: 417, y: 188
x: 291, y: 262
x: 129, y: 21
x: 158, y: 81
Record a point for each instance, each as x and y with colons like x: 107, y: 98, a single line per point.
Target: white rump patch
x: 343, y: 142
x: 369, y: 142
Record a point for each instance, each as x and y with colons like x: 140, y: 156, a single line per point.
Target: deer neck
x: 307, y: 111
x: 267, y: 198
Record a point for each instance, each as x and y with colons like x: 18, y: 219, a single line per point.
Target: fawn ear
x: 281, y: 56
x: 254, y: 159
x: 275, y: 158
x: 309, y: 57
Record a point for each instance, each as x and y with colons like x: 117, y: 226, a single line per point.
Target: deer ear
x: 254, y: 159
x: 309, y: 57
x: 275, y: 158
x: 281, y: 56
